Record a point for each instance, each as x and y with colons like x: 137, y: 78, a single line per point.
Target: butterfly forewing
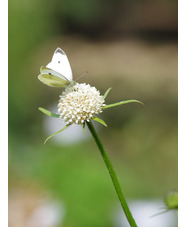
x: 45, y: 70
x: 61, y: 64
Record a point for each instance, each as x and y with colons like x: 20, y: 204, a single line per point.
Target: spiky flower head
x: 80, y: 103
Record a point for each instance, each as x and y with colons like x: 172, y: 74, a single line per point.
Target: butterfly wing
x: 52, y: 78
x: 60, y: 64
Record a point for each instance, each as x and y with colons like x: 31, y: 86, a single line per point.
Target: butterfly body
x: 58, y: 72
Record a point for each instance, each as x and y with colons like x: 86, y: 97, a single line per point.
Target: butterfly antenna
x: 82, y: 75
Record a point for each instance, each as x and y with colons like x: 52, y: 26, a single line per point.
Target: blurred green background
x: 130, y: 46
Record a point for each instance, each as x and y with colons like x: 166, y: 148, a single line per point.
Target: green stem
x: 113, y: 176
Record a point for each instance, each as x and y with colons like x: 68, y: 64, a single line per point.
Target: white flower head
x: 79, y: 103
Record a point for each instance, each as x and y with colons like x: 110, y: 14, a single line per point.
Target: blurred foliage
x: 110, y: 39
x: 171, y: 200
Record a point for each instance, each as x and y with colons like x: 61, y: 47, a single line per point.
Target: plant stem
x: 113, y: 175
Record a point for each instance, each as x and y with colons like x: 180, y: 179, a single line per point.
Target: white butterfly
x: 58, y: 72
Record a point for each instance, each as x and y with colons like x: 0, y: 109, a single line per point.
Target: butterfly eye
x: 58, y: 61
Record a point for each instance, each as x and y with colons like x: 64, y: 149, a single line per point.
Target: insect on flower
x: 79, y: 102
x: 58, y: 72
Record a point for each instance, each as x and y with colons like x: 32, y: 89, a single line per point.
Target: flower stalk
x: 79, y: 104
x: 112, y: 175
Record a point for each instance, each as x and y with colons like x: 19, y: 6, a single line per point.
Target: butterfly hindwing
x: 52, y: 80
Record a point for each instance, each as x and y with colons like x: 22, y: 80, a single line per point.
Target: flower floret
x: 80, y: 103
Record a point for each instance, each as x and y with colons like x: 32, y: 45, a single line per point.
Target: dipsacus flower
x: 80, y: 103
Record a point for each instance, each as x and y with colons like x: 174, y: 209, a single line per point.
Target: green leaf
x: 49, y: 113
x: 100, y: 121
x: 66, y: 126
x: 106, y: 93
x: 121, y: 103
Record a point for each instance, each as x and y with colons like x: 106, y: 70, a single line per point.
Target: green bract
x: 94, y: 118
